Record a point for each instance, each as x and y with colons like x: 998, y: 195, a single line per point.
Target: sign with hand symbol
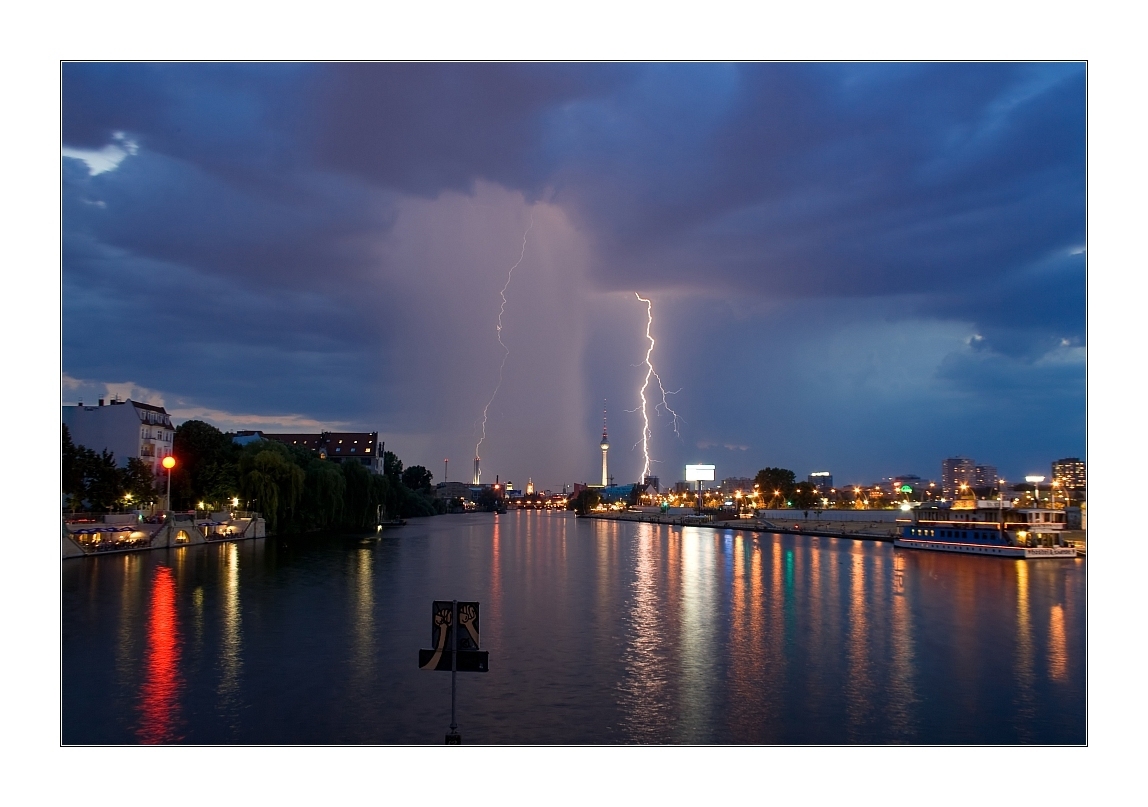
x: 443, y: 638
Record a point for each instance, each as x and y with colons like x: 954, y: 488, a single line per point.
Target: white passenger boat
x: 987, y: 528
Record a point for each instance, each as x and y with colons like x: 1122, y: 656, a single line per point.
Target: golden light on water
x: 1057, y: 646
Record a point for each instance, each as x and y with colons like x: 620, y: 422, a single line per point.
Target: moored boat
x: 987, y: 528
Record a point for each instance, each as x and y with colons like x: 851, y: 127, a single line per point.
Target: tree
x: 776, y: 484
x: 72, y: 470
x: 804, y: 496
x: 324, y: 495
x: 392, y: 467
x: 586, y: 500
x: 269, y: 477
x: 205, y: 457
x: 635, y: 494
x: 103, y: 481
x: 417, y: 477
x: 139, y: 482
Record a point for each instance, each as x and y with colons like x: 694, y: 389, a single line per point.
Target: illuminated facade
x: 985, y: 476
x: 1070, y: 473
x: 956, y: 471
x: 822, y: 481
x: 361, y: 447
x: 129, y: 429
x: 733, y: 484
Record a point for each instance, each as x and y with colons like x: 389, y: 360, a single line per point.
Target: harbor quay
x: 131, y: 532
x: 867, y: 525
x: 874, y: 527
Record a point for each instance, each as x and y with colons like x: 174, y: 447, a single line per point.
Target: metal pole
x: 453, y: 662
x: 169, y: 490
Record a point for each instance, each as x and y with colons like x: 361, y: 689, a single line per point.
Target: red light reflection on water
x: 159, y: 695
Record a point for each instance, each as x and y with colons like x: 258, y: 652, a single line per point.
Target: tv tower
x: 605, y: 448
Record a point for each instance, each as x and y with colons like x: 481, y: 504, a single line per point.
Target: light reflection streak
x: 859, y: 684
x: 776, y: 616
x: 812, y: 605
x: 1057, y: 646
x: 363, y: 650
x: 1026, y: 698
x: 495, y: 586
x: 197, y: 621
x: 159, y: 695
x: 741, y: 650
x: 697, y: 633
x: 231, y: 653
x: 644, y: 697
x: 903, y: 697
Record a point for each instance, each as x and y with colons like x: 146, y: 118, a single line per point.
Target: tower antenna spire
x: 605, y: 447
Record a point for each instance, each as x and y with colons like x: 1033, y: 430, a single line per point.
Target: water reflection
x: 231, y: 649
x: 902, y: 696
x: 1057, y: 646
x: 644, y: 696
x: 859, y: 686
x: 741, y: 688
x: 1025, y: 698
x: 159, y: 695
x: 495, y: 576
x: 363, y: 623
x: 611, y: 633
x: 127, y: 625
x: 698, y: 626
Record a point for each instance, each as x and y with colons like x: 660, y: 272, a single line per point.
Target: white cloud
x: 703, y: 444
x: 106, y: 159
x: 89, y: 390
x: 1064, y: 353
x: 233, y: 421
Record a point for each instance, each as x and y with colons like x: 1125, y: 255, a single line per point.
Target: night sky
x: 860, y: 268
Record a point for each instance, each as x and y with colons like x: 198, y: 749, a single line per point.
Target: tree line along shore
x: 290, y: 486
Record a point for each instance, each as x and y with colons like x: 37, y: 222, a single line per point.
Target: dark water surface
x: 598, y: 632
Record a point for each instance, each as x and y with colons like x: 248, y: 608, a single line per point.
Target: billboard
x: 699, y: 473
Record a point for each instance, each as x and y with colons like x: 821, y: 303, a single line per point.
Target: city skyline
x: 856, y: 267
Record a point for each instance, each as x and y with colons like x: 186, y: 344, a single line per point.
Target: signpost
x: 699, y: 474
x: 455, y: 642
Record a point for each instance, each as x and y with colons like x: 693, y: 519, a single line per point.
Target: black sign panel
x: 468, y: 660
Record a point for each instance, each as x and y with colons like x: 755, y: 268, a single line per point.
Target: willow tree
x: 268, y: 474
x: 324, y: 495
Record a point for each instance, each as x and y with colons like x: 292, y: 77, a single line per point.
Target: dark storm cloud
x: 806, y: 179
x: 833, y: 180
x: 427, y: 128
x: 250, y: 221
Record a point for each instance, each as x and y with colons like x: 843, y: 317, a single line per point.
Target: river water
x: 598, y: 632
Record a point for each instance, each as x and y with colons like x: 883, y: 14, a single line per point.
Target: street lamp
x: 169, y: 463
x: 1035, y: 480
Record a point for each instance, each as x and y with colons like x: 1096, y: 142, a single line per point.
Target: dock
x: 860, y: 530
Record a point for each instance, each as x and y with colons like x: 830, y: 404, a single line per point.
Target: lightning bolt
x: 498, y: 332
x: 651, y: 372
